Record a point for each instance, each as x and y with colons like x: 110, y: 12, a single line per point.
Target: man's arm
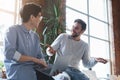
x: 24, y: 58
x: 51, y: 50
x: 101, y: 60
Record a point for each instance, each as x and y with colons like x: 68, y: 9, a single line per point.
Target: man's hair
x: 28, y: 10
x: 83, y: 24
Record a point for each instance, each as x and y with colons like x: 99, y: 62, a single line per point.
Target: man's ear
x: 31, y: 16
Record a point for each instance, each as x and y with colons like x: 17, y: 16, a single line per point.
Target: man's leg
x: 76, y: 74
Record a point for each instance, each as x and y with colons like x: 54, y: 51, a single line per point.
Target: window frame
x: 108, y: 23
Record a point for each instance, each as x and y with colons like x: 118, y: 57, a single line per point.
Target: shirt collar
x: 24, y: 29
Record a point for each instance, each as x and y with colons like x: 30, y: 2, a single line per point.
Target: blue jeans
x: 75, y: 74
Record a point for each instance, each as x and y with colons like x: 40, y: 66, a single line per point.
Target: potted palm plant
x: 54, y: 25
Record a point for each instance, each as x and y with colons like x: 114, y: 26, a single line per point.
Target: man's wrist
x: 32, y: 59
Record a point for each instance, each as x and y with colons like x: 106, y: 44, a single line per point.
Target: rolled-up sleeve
x: 17, y: 56
x: 10, y: 45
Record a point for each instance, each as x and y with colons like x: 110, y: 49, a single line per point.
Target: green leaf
x: 44, y: 31
x: 55, y: 10
x: 1, y: 64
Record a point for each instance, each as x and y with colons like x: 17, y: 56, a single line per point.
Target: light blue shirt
x: 19, y: 41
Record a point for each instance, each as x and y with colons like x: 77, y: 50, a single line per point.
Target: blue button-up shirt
x: 19, y: 41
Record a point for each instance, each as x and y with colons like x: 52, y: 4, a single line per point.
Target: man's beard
x: 75, y: 35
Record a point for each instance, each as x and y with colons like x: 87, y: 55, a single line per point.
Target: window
x: 8, y: 16
x: 96, y: 14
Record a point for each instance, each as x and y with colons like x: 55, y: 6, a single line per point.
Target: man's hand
x: 101, y: 60
x: 40, y: 61
x: 51, y: 50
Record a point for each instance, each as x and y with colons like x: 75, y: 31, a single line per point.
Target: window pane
x: 97, y: 8
x: 80, y: 5
x: 99, y: 48
x: 98, y: 29
x: 8, y: 5
x: 1, y: 34
x: 84, y: 38
x: 71, y: 16
x: 6, y: 19
x: 1, y: 53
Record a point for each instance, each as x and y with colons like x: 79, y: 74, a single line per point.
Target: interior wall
x: 116, y: 29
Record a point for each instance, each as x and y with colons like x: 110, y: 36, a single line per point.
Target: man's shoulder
x: 84, y: 43
x: 64, y: 35
x: 12, y: 28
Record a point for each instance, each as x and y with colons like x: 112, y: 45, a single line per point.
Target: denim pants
x: 75, y: 74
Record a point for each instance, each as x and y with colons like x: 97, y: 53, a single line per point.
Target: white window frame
x: 110, y: 31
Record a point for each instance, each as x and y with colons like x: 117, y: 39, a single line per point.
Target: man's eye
x: 75, y: 27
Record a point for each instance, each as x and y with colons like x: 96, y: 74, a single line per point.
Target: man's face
x: 36, y: 20
x: 76, y: 30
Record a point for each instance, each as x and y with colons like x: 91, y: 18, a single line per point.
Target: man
x: 69, y: 50
x: 22, y: 46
